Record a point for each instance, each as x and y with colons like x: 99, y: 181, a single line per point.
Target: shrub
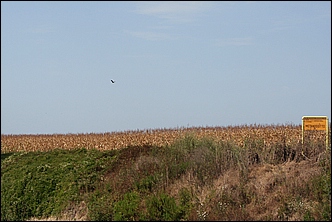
x: 163, y: 207
x: 127, y: 209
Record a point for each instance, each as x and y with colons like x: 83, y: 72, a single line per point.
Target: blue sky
x: 176, y: 64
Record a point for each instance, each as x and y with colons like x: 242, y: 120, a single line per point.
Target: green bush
x: 185, y: 204
x: 127, y: 209
x: 100, y: 207
x: 163, y: 207
x: 146, y: 184
x: 321, y: 187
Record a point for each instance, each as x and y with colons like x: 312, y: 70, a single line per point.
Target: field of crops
x: 288, y: 135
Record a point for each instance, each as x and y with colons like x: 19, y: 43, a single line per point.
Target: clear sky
x: 175, y: 64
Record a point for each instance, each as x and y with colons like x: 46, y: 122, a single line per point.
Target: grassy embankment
x: 190, y: 179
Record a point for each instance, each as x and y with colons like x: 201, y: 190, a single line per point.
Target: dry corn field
x: 289, y: 135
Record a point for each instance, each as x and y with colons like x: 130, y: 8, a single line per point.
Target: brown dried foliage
x: 269, y: 135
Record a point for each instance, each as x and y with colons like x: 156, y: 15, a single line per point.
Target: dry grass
x: 268, y: 187
x: 73, y: 213
x: 288, y: 135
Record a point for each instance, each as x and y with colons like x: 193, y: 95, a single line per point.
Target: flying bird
x: 112, y: 81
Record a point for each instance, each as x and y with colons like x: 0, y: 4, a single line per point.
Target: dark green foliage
x: 162, y: 207
x: 128, y: 208
x: 308, y: 217
x: 5, y: 155
x: 185, y: 204
x: 42, y: 183
x: 99, y: 204
x: 321, y: 187
x: 146, y: 184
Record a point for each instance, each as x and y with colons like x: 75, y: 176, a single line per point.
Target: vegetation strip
x: 194, y: 178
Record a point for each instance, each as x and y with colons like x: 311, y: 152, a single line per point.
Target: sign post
x: 316, y: 123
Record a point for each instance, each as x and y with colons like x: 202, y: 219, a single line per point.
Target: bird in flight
x: 112, y: 81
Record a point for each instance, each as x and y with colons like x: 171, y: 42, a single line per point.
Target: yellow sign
x: 314, y: 123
